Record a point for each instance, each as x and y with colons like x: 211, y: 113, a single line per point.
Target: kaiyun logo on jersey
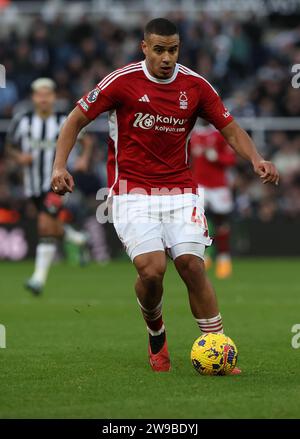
x: 147, y: 121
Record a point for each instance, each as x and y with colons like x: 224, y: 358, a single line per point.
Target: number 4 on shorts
x: 200, y: 219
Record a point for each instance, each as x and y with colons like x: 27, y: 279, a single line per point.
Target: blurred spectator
x: 9, y: 97
x: 287, y: 160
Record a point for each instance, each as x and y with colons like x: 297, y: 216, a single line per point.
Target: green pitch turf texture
x: 80, y: 350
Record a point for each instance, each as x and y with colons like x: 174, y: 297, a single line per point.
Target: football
x: 214, y: 354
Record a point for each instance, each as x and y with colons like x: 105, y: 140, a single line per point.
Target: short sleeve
x: 104, y: 97
x: 211, y: 107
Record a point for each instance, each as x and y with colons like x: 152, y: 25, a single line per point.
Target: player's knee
x: 44, y: 230
x: 152, y: 273
x: 189, y: 265
x: 47, y: 226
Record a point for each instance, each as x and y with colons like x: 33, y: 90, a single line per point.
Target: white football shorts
x: 147, y: 223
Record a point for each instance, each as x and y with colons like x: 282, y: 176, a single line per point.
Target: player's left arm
x: 212, y: 109
x: 242, y: 143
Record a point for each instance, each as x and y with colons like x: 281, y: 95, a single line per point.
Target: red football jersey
x: 211, y: 156
x: 150, y: 121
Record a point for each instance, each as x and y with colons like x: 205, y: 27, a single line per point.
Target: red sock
x: 222, y: 239
x: 153, y: 319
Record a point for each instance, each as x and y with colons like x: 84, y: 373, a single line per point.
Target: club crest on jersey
x: 183, y: 100
x: 92, y: 96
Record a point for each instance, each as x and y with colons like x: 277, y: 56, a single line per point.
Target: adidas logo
x: 144, y: 99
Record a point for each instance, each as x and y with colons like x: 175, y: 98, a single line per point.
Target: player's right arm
x: 97, y: 101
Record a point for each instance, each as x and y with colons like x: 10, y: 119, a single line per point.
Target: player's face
x: 161, y: 54
x: 43, y: 99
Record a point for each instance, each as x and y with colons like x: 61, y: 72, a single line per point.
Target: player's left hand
x: 267, y: 171
x: 62, y: 181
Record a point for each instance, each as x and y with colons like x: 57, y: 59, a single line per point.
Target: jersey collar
x: 157, y: 80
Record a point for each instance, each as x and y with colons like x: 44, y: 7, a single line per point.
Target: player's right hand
x: 24, y: 159
x: 62, y: 181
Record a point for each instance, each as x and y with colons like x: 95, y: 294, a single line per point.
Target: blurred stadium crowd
x: 248, y: 61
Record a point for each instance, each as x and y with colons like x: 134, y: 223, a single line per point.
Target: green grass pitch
x: 80, y: 351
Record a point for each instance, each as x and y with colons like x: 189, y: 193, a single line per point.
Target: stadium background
x: 246, y: 49
x: 246, y: 54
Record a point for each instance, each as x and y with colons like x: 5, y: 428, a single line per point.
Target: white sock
x: 213, y: 324
x: 160, y: 331
x: 45, y: 253
x: 74, y: 236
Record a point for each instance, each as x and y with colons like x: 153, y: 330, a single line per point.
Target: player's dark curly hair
x: 160, y: 26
